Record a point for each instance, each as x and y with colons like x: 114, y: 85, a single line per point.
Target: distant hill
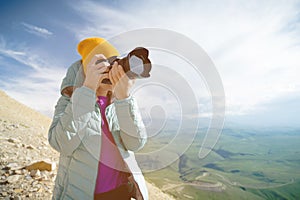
x: 23, y: 140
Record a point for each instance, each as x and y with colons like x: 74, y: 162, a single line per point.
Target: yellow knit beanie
x: 89, y: 47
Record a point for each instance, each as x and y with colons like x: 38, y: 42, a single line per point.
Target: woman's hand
x: 95, y: 73
x: 120, y: 81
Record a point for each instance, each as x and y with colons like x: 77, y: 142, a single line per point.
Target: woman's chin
x: 104, y: 89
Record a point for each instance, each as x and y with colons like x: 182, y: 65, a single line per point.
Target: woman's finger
x: 110, y: 78
x: 102, y: 70
x: 103, y: 66
x: 95, y: 58
x: 114, y: 73
x: 121, y: 70
x: 117, y: 73
x: 122, y: 74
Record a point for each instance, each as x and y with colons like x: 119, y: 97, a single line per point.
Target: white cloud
x: 38, y: 88
x: 42, y: 32
x: 255, y: 45
x: 22, y: 57
x: 102, y: 20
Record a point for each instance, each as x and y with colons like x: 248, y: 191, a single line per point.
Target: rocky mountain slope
x: 23, y: 142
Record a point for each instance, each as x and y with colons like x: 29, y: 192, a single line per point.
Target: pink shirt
x: 108, y: 178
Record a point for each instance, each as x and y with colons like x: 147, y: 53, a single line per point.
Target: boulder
x: 41, y: 165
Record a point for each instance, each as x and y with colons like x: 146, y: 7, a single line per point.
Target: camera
x: 136, y: 64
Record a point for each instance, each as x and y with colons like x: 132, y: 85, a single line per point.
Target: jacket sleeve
x: 132, y: 129
x: 70, y: 120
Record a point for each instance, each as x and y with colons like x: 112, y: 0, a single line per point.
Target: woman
x: 96, y: 128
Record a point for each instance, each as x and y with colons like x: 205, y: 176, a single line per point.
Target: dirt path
x: 252, y: 186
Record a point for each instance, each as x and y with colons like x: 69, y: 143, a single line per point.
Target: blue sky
x: 255, y: 47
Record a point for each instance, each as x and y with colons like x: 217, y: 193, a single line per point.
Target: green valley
x: 244, y: 164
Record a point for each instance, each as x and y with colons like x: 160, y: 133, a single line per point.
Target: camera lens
x: 136, y: 65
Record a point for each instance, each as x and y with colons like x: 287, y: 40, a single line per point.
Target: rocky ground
x: 27, y: 162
